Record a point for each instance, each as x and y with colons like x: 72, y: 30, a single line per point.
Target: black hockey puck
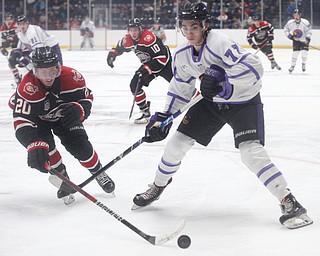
x: 184, y: 241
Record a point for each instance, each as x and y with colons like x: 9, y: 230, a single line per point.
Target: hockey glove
x: 270, y: 38
x: 111, y: 58
x: 153, y: 131
x: 71, y: 113
x: 4, y: 52
x: 210, y: 79
x: 143, y: 73
x: 38, y: 155
x: 23, y: 61
x: 254, y: 46
x: 291, y: 37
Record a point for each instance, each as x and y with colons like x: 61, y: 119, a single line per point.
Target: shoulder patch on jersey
x: 147, y: 38
x: 30, y: 89
x: 77, y: 76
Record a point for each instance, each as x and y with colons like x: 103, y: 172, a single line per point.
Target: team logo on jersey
x: 30, y: 88
x: 148, y: 38
x: 77, y: 76
x: 143, y: 56
x: 297, y: 33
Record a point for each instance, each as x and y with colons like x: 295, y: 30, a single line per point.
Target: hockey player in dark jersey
x: 9, y: 36
x: 260, y: 36
x: 54, y: 100
x: 154, y: 56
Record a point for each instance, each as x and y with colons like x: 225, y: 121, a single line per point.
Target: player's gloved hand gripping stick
x: 58, y: 182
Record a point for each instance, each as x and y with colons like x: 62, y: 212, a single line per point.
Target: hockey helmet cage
x: 256, y: 16
x: 44, y: 57
x: 194, y: 11
x: 21, y: 18
x: 134, y: 23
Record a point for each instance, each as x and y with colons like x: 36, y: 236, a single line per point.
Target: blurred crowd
x: 231, y: 16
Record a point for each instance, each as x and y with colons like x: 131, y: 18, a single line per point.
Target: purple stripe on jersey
x: 179, y: 79
x: 196, y: 58
x: 217, y: 56
x: 168, y: 164
x: 181, y: 50
x: 264, y: 169
x: 272, y: 178
x: 174, y: 97
x: 241, y: 61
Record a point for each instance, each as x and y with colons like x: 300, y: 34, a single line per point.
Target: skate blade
x: 68, y: 199
x: 298, y: 222
x: 142, y: 121
x: 136, y: 207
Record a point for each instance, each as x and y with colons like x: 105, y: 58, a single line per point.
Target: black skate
x: 105, y: 182
x: 64, y: 191
x: 275, y: 65
x: 294, y: 214
x: 152, y: 194
x: 145, y: 115
x: 303, y: 67
x: 291, y: 69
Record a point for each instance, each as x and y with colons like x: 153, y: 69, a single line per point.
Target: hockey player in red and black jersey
x: 260, y: 36
x: 154, y: 56
x: 54, y: 100
x: 9, y: 36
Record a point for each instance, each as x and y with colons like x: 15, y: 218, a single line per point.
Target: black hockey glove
x: 38, y: 155
x: 210, y: 79
x: 254, y: 46
x: 111, y: 58
x: 4, y: 52
x: 153, y: 131
x: 71, y: 113
x: 143, y: 73
x: 23, y: 61
x: 270, y: 38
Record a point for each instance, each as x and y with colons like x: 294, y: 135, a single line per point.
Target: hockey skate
x: 303, y: 67
x: 64, y: 190
x: 275, y: 65
x: 145, y: 116
x: 294, y: 214
x: 152, y: 194
x: 291, y: 69
x: 106, y: 183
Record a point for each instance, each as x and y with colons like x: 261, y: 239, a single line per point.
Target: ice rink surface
x: 227, y: 211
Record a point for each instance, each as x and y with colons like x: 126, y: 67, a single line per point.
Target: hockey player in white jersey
x: 87, y: 31
x: 230, y: 84
x: 30, y: 38
x: 299, y: 31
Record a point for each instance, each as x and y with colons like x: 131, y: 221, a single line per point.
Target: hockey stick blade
x: 155, y: 240
x: 192, y: 102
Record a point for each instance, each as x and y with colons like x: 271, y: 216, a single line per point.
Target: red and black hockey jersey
x: 32, y: 101
x: 9, y: 36
x: 259, y: 35
x: 149, y: 49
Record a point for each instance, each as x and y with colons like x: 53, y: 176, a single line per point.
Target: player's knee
x: 177, y: 147
x: 80, y: 147
x: 253, y: 155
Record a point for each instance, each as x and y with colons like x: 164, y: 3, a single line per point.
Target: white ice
x: 227, y: 210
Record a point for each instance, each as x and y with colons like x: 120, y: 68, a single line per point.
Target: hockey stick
x: 134, y: 96
x: 155, y: 240
x: 192, y: 102
x: 260, y: 48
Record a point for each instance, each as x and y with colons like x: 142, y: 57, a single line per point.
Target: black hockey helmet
x: 194, y: 11
x: 296, y: 11
x: 256, y: 16
x: 134, y: 23
x: 9, y: 16
x: 21, y: 18
x: 44, y: 57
